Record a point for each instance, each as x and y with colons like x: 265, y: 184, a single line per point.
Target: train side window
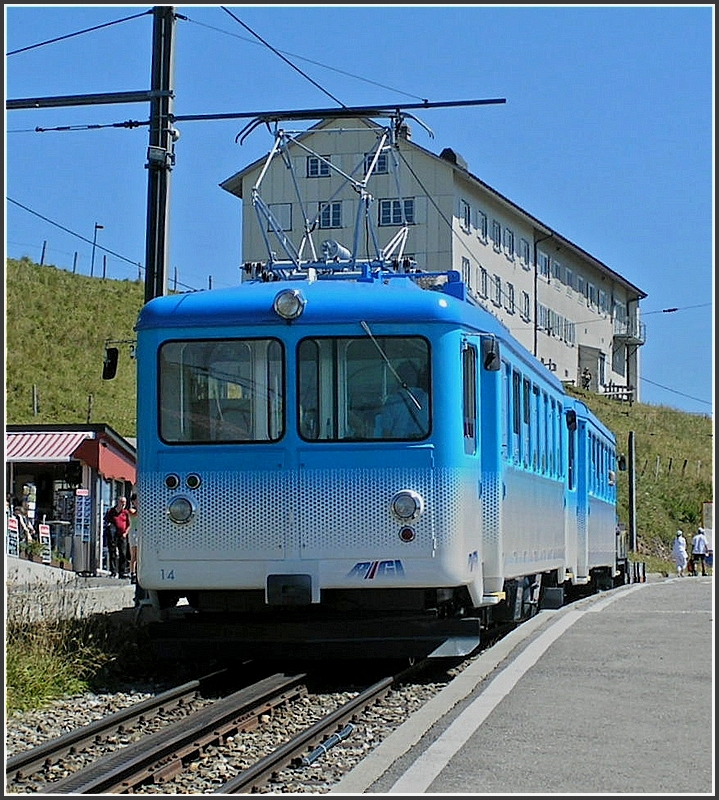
x: 516, y: 417
x: 535, y: 426
x: 526, y: 423
x: 551, y: 438
x: 507, y: 411
x: 469, y: 398
x: 545, y: 406
x: 560, y: 441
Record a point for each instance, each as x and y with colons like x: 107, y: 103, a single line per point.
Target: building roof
x: 98, y: 446
x: 43, y: 446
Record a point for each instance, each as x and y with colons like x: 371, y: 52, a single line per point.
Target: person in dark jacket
x: 117, y: 528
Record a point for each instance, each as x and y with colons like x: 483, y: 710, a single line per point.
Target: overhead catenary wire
x: 674, y: 391
x: 280, y: 55
x: 76, y: 33
x: 89, y: 241
x: 311, y: 61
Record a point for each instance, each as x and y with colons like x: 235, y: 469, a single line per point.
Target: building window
x: 509, y: 243
x: 497, y: 290
x: 390, y: 212
x: 282, y: 213
x: 580, y: 285
x: 603, y: 302
x: 543, y: 314
x: 465, y: 214
x: 509, y: 299
x: 380, y: 168
x: 556, y: 270
x: 318, y: 167
x: 524, y: 307
x: 543, y: 264
x: 591, y: 294
x: 482, y: 225
x: 569, y: 332
x: 483, y: 282
x: 496, y: 235
x: 569, y: 278
x: 524, y: 253
x: 466, y: 273
x: 331, y: 215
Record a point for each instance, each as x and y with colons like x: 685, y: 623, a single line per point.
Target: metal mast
x: 160, y: 152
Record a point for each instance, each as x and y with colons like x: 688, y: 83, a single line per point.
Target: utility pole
x: 94, y: 245
x: 160, y: 152
x: 163, y: 135
x: 632, y: 495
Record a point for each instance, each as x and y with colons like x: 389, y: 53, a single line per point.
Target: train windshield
x: 228, y: 390
x: 364, y: 389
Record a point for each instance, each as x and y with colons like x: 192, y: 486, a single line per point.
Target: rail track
x: 26, y: 763
x: 162, y: 756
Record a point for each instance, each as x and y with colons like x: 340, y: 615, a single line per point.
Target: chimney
x: 453, y: 157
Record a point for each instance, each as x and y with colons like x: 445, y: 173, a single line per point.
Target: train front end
x: 300, y: 490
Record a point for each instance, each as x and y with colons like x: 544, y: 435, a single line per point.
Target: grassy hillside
x: 57, y: 324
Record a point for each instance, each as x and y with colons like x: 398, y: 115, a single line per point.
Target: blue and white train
x: 358, y: 461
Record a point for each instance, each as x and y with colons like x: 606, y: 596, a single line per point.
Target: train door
x: 472, y: 510
x: 495, y: 443
x: 577, y: 489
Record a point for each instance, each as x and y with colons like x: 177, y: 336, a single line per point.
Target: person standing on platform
x: 132, y: 536
x: 699, y: 550
x: 117, y: 525
x: 679, y: 553
x: 26, y: 531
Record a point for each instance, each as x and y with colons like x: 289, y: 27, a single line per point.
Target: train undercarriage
x: 354, y: 624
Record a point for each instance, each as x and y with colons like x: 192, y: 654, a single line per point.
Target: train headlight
x: 289, y: 304
x: 181, y: 510
x: 407, y: 505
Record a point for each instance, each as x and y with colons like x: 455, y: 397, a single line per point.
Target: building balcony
x: 630, y: 331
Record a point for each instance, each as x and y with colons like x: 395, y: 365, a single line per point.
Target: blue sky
x: 606, y: 135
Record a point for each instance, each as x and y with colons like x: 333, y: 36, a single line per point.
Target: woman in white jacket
x: 679, y: 553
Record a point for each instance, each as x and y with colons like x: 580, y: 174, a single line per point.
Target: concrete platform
x: 610, y: 695
x: 36, y: 591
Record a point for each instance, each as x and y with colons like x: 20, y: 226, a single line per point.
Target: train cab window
x: 228, y: 390
x: 363, y: 388
x: 469, y: 398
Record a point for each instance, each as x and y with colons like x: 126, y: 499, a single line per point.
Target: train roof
x: 387, y: 298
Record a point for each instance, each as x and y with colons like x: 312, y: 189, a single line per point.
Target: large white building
x: 565, y: 306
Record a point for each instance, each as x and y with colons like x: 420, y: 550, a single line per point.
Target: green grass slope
x: 57, y: 324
